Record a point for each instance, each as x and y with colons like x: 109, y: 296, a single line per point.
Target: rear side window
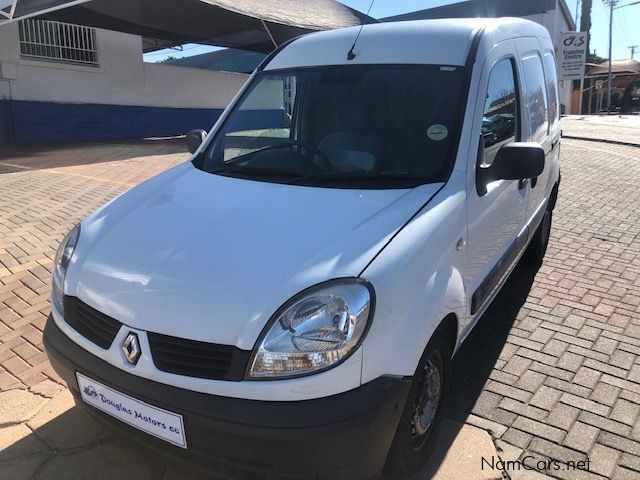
x: 552, y: 87
x: 536, y: 97
x: 500, y: 118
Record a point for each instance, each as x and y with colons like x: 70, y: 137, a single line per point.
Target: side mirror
x: 194, y: 139
x: 518, y: 161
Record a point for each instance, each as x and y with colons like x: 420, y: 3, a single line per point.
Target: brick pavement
x: 38, y: 205
x: 552, y: 370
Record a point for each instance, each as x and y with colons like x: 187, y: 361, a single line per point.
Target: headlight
x: 315, y: 330
x: 63, y: 257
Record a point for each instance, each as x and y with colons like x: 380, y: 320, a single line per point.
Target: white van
x: 286, y: 304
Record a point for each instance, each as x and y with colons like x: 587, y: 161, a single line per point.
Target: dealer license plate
x: 155, y: 421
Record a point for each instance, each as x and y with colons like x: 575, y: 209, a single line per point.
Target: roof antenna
x: 350, y: 54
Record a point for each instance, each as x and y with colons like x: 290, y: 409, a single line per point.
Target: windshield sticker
x: 437, y: 132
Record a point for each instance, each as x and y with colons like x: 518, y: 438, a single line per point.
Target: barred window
x: 58, y: 41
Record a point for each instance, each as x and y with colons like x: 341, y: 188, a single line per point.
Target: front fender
x: 418, y: 283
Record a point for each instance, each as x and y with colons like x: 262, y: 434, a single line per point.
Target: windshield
x: 371, y: 126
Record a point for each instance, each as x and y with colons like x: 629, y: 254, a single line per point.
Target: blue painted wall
x: 49, y: 122
x: 5, y: 127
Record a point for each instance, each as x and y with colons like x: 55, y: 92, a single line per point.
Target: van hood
x: 211, y: 258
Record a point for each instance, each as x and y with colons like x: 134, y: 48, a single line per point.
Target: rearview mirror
x: 518, y: 161
x: 194, y: 139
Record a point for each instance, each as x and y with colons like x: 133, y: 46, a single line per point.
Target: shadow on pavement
x: 477, y: 357
x: 70, y: 446
x: 67, y: 443
x: 36, y: 157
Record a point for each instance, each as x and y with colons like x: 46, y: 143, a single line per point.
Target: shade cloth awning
x: 255, y: 25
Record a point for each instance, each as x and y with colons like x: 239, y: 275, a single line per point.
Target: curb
x: 602, y: 140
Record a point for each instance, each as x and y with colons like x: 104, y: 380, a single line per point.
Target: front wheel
x: 415, y: 436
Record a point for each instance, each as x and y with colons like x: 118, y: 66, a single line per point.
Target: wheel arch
x: 449, y: 327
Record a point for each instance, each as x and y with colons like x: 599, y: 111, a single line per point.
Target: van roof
x: 436, y: 42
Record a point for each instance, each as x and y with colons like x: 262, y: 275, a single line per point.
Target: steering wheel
x: 323, y: 156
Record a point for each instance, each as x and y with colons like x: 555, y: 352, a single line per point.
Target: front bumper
x: 341, y: 436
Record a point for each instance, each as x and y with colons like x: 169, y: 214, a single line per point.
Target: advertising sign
x: 572, y: 55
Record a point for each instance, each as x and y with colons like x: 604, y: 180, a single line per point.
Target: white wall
x: 268, y: 94
x: 121, y: 79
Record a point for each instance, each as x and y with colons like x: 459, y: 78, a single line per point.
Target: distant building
x: 61, y: 82
x: 67, y: 74
x: 226, y: 60
x: 625, y: 83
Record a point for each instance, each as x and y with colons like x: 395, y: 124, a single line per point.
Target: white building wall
x: 121, y: 79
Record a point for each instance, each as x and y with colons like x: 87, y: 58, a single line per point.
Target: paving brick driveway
x: 552, y: 371
x: 42, y: 195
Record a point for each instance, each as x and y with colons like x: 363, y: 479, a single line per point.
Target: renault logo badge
x: 131, y: 348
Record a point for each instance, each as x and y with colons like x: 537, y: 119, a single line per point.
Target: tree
x: 595, y: 58
x: 164, y: 60
x: 585, y: 26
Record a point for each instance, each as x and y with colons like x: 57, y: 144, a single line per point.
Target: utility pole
x: 611, y: 4
x: 633, y: 50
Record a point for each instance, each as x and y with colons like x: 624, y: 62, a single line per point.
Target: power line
x: 629, y: 4
x: 622, y: 20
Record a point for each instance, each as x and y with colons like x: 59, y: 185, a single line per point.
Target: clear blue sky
x: 626, y: 31
x: 626, y: 22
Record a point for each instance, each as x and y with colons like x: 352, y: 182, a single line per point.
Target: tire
x: 538, y: 247
x: 415, y: 438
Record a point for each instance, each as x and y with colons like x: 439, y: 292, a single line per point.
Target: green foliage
x: 165, y: 60
x: 597, y: 59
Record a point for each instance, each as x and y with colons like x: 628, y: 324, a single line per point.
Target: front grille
x: 197, y: 359
x: 170, y: 354
x: 90, y: 323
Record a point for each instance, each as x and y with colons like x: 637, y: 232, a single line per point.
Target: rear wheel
x: 415, y: 436
x: 538, y: 247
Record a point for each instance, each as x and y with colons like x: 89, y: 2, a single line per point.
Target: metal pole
x: 580, y: 96
x: 275, y: 44
x: 611, y: 5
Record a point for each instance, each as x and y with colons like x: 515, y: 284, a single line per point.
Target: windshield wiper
x: 263, y: 172
x: 276, y: 146
x: 360, y: 175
